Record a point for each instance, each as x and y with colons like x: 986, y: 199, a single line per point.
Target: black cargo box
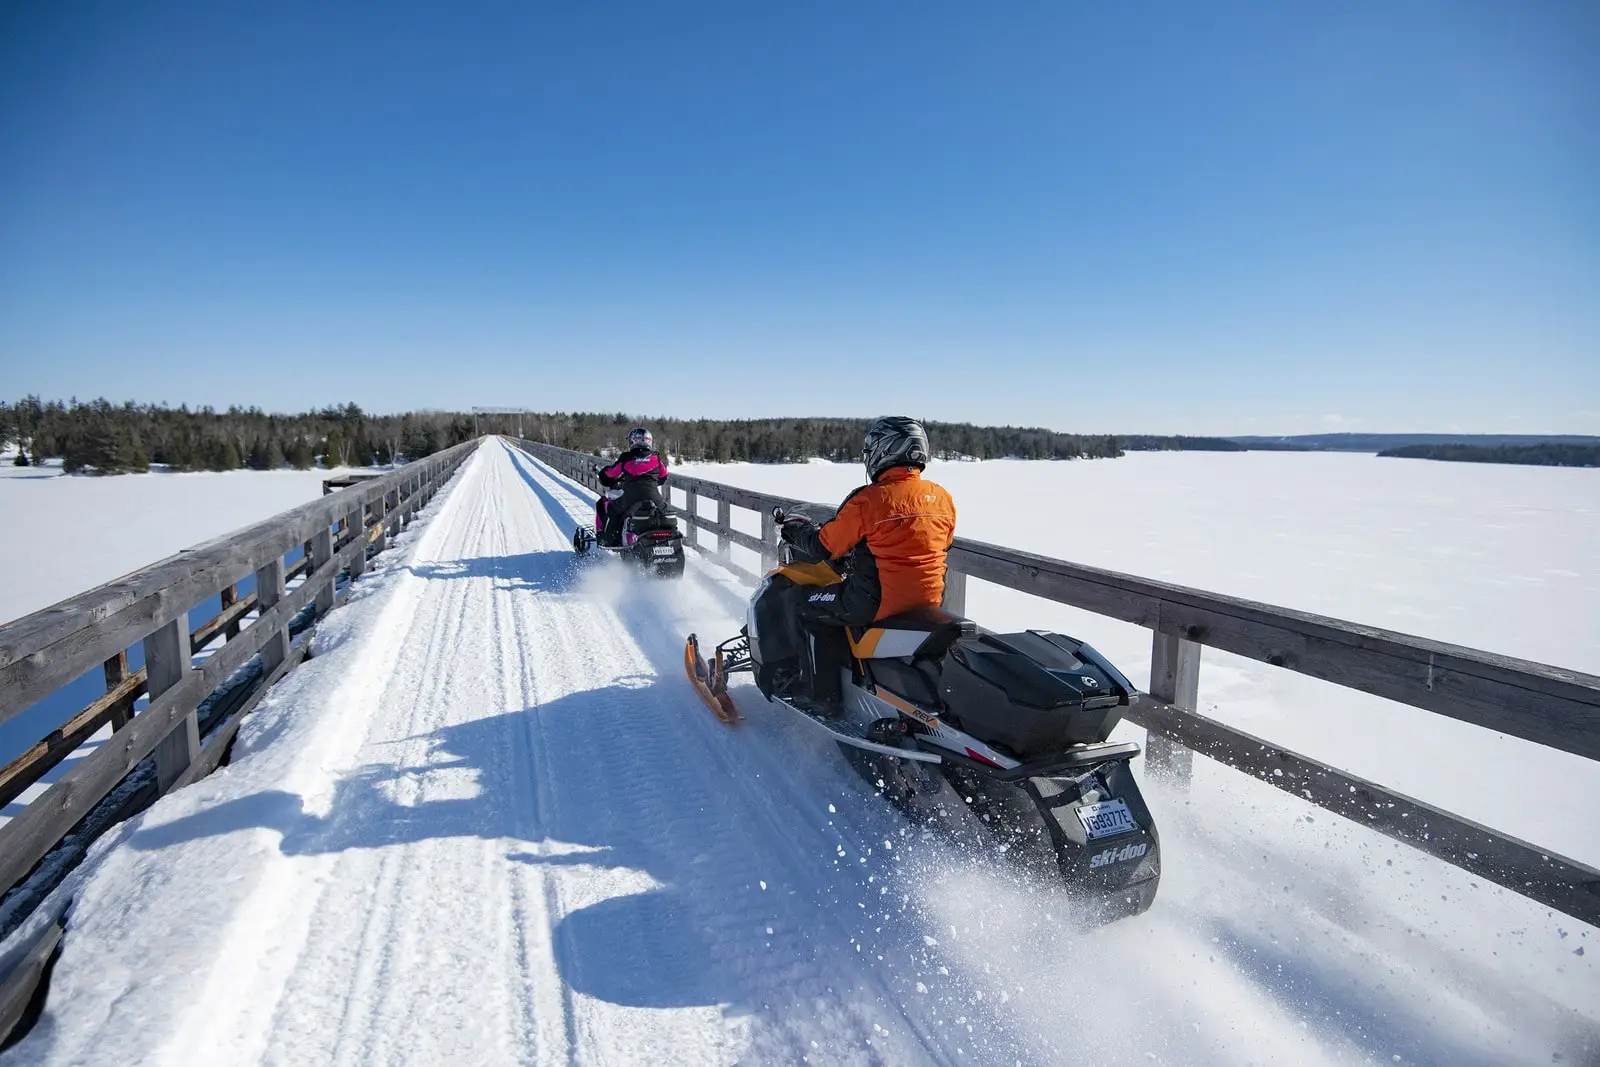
x: 1034, y: 693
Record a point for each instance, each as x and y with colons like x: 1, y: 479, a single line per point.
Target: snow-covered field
x: 61, y: 535
x: 1500, y: 558
x: 490, y: 823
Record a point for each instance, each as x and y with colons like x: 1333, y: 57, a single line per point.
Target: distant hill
x: 1383, y: 442
x: 1545, y: 455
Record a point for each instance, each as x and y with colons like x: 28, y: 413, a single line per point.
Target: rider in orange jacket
x: 896, y: 531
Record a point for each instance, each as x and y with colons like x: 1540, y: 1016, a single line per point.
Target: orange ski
x: 709, y: 682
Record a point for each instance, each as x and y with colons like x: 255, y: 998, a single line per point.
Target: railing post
x: 321, y: 573
x: 166, y: 658
x: 269, y: 590
x: 358, y: 530
x: 692, y: 506
x: 955, y: 592
x: 356, y: 522
x: 725, y: 520
x: 769, y: 540
x: 230, y: 597
x: 1174, y: 680
x: 379, y: 508
x: 116, y: 669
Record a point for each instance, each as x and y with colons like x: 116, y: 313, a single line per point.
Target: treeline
x: 108, y: 438
x: 793, y: 440
x: 1552, y: 455
x: 112, y: 439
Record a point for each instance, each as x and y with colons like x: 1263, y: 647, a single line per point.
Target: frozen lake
x: 61, y: 535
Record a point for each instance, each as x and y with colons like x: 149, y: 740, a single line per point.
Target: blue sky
x: 1222, y: 217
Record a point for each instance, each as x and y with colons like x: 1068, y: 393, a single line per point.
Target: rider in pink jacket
x: 639, y: 473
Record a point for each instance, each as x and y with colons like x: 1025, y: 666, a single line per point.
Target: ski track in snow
x: 490, y: 823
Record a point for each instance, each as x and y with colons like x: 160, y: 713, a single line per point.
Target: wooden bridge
x: 174, y: 718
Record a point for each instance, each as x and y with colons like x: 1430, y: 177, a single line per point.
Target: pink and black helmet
x: 639, y: 437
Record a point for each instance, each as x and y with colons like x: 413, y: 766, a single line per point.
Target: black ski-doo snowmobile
x: 1017, y: 723
x: 648, y: 537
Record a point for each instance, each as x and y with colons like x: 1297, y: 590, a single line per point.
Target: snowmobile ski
x: 709, y: 681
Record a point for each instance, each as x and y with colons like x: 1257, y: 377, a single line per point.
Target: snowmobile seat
x: 922, y: 633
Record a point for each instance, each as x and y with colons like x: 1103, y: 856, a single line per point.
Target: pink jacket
x: 631, y: 467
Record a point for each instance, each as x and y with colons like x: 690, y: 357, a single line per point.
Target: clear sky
x: 1196, y: 217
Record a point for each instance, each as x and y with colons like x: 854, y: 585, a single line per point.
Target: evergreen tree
x: 301, y: 457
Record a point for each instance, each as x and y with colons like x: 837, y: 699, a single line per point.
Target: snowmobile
x: 649, y: 538
x: 1018, y: 724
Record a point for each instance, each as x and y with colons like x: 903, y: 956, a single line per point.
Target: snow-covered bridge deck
x: 489, y: 823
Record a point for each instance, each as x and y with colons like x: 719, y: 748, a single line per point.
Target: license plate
x: 1106, y: 819
x: 669, y: 550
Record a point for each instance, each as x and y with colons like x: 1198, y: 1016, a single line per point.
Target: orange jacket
x: 908, y: 524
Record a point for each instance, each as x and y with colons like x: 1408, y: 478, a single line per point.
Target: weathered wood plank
x: 25, y: 839
x: 116, y: 670
x: 321, y: 573
x: 1556, y: 881
x: 269, y: 590
x: 724, y: 530
x: 166, y: 658
x: 1175, y: 682
x: 44, y: 754
x: 769, y: 540
x: 1547, y: 705
x: 16, y: 992
x: 732, y: 536
x: 358, y: 532
x: 230, y: 597
x: 955, y: 592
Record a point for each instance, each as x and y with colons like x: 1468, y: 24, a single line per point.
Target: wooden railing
x: 1547, y: 705
x: 195, y: 705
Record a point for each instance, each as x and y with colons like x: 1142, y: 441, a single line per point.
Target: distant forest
x: 789, y: 440
x: 106, y: 438
x: 112, y: 439
x: 1527, y: 455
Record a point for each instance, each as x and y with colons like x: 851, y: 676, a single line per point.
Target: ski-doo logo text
x: 823, y: 598
x: 1118, y: 855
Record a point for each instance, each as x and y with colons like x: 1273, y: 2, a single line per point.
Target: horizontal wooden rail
x: 1539, y: 874
x: 1548, y: 705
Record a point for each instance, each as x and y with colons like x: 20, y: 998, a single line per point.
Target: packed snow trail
x: 490, y: 823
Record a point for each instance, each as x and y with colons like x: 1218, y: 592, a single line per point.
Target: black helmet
x: 894, y: 441
x: 639, y: 437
